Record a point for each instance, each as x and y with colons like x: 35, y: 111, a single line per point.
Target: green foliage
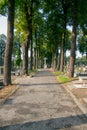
x: 48, y: 22
x: 81, y: 61
x: 2, y: 48
x: 2, y: 44
x: 18, y: 58
x: 3, y: 7
x: 64, y: 79
x: 2, y: 39
x: 17, y: 50
x: 21, y: 27
x: 82, y: 44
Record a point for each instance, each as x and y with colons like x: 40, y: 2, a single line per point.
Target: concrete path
x: 41, y: 103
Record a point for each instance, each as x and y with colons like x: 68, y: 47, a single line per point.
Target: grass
x: 65, y: 79
x: 62, y: 78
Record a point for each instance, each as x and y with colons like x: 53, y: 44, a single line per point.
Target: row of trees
x: 41, y: 25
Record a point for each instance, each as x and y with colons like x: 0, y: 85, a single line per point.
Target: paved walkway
x: 41, y: 103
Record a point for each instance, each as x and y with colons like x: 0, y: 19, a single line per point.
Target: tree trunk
x: 31, y: 53
x: 25, y: 47
x: 62, y: 54
x: 73, y: 43
x: 54, y: 61
x: 9, y: 43
x: 58, y: 60
x: 35, y: 58
x: 31, y: 14
x: 65, y: 7
x: 35, y: 51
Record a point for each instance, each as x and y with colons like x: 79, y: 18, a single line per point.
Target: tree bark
x: 9, y: 43
x: 31, y: 53
x: 35, y: 51
x: 25, y: 47
x: 28, y: 13
x: 62, y: 54
x: 65, y: 8
x: 73, y: 43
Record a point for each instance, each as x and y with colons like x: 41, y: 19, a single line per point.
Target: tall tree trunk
x: 28, y: 13
x: 62, y: 54
x: 65, y: 7
x: 35, y: 58
x: 25, y: 47
x: 54, y: 61
x: 9, y: 43
x: 73, y: 43
x: 31, y: 14
x: 35, y: 51
x: 31, y: 53
x: 58, y: 60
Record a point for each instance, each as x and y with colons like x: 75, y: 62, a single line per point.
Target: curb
x: 76, y: 100
x: 8, y: 95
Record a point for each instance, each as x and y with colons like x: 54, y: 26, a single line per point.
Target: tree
x: 23, y: 28
x: 65, y: 7
x: 18, y: 60
x: 3, y: 7
x: 82, y: 44
x: 9, y: 43
x: 53, y: 27
x: 73, y: 42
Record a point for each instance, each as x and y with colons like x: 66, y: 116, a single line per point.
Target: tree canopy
x: 41, y: 27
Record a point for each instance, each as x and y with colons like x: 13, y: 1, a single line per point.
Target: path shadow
x: 41, y: 84
x: 44, y: 73
x: 9, y: 101
x: 50, y: 124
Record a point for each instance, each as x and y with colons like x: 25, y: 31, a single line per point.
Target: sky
x: 3, y: 25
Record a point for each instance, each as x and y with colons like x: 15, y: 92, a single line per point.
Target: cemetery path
x: 41, y: 103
